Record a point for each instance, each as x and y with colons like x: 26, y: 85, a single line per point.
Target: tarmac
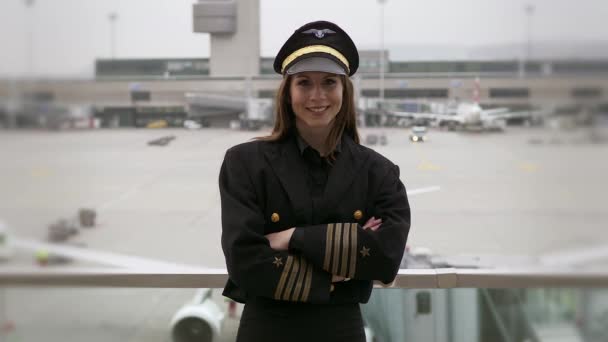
x: 527, y: 192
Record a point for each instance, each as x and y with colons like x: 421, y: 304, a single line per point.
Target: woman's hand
x: 373, y: 223
x: 280, y: 241
x: 337, y: 278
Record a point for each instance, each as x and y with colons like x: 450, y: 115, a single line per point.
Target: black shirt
x: 318, y: 169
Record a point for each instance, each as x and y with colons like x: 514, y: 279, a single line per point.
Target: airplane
x: 249, y: 112
x: 191, y: 124
x: 200, y: 319
x: 469, y: 116
x: 244, y: 111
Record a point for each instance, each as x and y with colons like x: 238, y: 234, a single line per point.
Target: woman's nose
x: 318, y: 93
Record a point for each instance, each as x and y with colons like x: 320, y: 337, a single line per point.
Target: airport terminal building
x: 135, y: 92
x: 235, y: 84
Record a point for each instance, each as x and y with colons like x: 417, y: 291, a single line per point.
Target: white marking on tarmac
x: 575, y: 257
x: 134, y: 189
x: 423, y: 190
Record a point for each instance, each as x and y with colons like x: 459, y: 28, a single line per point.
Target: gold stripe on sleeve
x: 307, y: 283
x: 328, y: 243
x: 279, y: 289
x: 345, y: 249
x: 292, y: 278
x: 296, y: 292
x: 353, y: 250
x: 337, y: 238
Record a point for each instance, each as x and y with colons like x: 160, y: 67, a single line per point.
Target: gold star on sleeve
x: 278, y: 262
x: 364, y: 252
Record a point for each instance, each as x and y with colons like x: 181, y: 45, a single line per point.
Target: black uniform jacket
x: 263, y: 188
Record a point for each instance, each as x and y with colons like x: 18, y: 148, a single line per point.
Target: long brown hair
x: 345, y: 121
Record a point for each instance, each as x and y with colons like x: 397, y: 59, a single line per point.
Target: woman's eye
x: 330, y: 81
x: 302, y: 82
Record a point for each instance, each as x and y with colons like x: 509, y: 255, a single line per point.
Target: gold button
x: 275, y: 217
x: 358, y: 215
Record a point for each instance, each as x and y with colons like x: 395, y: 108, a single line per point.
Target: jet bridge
x: 224, y: 110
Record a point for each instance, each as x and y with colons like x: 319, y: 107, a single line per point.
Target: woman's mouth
x: 317, y: 109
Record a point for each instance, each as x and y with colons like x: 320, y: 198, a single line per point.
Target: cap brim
x: 320, y: 64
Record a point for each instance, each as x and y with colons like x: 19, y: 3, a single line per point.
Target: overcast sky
x: 69, y: 34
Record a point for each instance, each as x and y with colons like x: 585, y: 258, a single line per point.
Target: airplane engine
x: 197, y: 321
x: 474, y: 118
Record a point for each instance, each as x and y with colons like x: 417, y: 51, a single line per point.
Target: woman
x: 310, y: 217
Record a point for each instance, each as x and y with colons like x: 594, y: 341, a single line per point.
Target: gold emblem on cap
x: 275, y: 217
x: 358, y: 214
x: 313, y: 49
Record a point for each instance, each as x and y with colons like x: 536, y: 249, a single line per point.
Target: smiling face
x: 316, y: 98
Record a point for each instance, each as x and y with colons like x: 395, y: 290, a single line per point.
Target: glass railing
x: 539, y: 314
x: 450, y: 305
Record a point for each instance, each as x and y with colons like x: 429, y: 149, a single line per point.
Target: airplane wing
x: 124, y: 260
x: 423, y: 190
x: 101, y: 257
x: 414, y: 115
x: 217, y: 101
x: 495, y: 111
x: 504, y: 115
x: 440, y: 118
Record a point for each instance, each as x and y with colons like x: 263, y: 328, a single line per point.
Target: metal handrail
x: 443, y: 278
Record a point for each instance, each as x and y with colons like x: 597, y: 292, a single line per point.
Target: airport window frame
x: 509, y: 92
x: 586, y: 92
x: 436, y: 93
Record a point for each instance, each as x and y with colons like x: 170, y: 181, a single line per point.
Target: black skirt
x: 269, y: 320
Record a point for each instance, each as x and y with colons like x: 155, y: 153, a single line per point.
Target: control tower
x: 234, y: 26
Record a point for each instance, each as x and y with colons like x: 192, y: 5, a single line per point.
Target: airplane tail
x: 476, y: 91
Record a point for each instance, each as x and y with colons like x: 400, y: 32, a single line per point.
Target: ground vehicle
x: 157, y: 124
x: 6, y: 246
x: 191, y: 124
x: 418, y: 134
x: 163, y: 141
x: 199, y: 320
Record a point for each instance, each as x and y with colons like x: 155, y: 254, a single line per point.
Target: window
x: 586, y: 92
x: 509, y: 92
x: 408, y: 93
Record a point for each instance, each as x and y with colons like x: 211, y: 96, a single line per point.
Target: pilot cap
x: 318, y: 40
